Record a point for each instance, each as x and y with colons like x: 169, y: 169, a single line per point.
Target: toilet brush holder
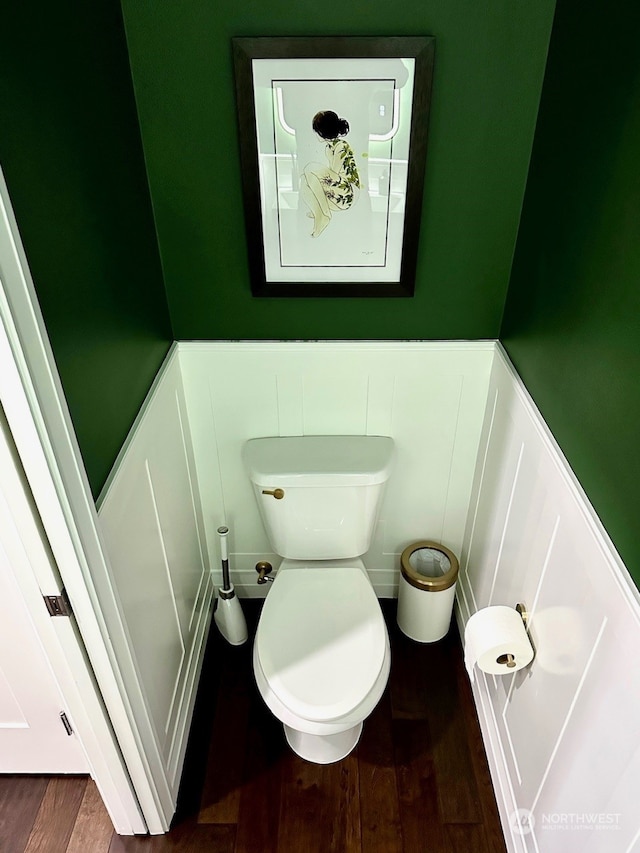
x: 229, y: 617
x: 228, y: 614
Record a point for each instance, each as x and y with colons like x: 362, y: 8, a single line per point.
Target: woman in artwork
x: 333, y: 186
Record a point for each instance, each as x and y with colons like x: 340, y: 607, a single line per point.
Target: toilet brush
x: 228, y: 613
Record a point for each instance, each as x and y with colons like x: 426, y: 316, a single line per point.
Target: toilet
x: 321, y: 654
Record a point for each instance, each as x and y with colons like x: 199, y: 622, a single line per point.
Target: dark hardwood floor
x: 418, y: 780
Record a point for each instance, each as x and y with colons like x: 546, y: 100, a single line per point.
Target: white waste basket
x: 428, y: 575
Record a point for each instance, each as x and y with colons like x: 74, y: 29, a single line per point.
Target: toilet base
x: 323, y: 749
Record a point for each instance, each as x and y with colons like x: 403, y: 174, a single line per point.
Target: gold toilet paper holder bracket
x: 524, y: 614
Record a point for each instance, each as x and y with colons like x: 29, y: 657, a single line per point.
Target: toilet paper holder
x: 507, y: 659
x: 496, y: 639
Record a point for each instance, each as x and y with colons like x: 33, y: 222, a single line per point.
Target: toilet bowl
x: 321, y: 655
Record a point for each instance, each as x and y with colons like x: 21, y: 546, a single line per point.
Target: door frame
x: 110, y: 714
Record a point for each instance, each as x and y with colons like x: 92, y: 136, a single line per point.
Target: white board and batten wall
x: 180, y: 476
x: 428, y: 396
x: 150, y: 516
x: 476, y: 469
x: 563, y: 735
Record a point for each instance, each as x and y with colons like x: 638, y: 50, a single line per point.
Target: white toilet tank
x: 331, y: 485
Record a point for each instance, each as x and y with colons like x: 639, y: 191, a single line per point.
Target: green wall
x: 572, y: 321
x: 71, y: 153
x: 489, y: 66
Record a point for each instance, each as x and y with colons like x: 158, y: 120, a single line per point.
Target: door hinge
x: 58, y: 605
x: 66, y: 723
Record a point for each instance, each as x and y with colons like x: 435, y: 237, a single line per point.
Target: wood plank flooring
x: 418, y: 780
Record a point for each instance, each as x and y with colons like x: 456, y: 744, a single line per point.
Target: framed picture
x: 333, y: 143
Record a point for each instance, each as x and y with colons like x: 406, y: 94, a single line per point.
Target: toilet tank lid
x: 328, y: 460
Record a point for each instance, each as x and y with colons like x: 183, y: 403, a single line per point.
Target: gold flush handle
x: 278, y: 494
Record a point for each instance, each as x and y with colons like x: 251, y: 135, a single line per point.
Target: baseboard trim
x: 384, y: 582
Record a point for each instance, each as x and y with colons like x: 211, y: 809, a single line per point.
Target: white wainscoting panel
x: 563, y: 734
x: 152, y: 523
x: 429, y: 397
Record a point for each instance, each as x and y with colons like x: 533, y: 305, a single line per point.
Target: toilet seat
x: 321, y: 640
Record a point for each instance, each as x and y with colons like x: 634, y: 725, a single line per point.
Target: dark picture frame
x: 333, y: 143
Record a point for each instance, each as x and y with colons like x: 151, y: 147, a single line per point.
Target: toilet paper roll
x: 496, y: 640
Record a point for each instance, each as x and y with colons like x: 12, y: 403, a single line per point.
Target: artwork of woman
x: 334, y: 186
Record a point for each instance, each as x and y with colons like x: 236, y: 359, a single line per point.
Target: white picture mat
x: 363, y: 243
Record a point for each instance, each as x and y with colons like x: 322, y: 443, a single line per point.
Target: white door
x: 65, y: 549
x: 33, y: 738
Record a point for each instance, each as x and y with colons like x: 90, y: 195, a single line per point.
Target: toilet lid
x: 321, y: 640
